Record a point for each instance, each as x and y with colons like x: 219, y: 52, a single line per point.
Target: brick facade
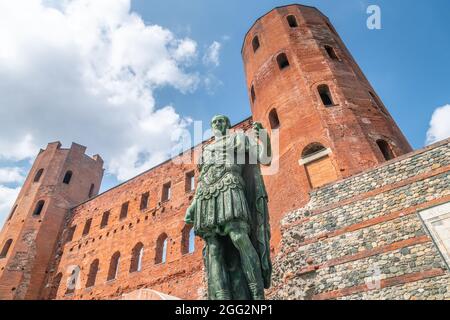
x: 357, y: 211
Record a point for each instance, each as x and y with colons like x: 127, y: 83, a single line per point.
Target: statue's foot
x: 257, y: 291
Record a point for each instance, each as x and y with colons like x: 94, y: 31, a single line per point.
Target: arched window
x: 325, y: 95
x: 5, y: 249
x: 292, y: 21
x: 385, y: 149
x: 67, y: 177
x: 124, y: 210
x: 253, y: 94
x: 255, y: 43
x: 161, y: 249
x: 38, y: 209
x: 12, y: 212
x: 273, y: 119
x: 187, y: 240
x: 113, y: 266
x: 91, y: 190
x: 166, y: 192
x: 93, y: 270
x: 38, y: 175
x: 318, y: 165
x: 73, y: 280
x: 55, y: 286
x: 87, y: 227
x: 331, y: 53
x: 136, y: 257
x: 70, y: 233
x: 105, y: 219
x: 282, y: 61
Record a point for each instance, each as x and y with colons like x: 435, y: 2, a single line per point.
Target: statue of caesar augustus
x: 229, y: 212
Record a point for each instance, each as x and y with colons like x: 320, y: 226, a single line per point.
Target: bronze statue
x: 229, y: 212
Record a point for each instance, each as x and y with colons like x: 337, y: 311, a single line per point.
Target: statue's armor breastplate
x: 218, y: 172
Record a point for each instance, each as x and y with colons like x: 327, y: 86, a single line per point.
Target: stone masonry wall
x: 362, y: 237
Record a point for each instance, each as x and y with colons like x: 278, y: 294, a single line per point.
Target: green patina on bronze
x: 229, y: 212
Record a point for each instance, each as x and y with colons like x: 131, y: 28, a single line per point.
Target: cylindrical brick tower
x: 303, y: 81
x: 59, y: 179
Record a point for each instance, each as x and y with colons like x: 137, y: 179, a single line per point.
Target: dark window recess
x: 161, y: 249
x: 325, y: 95
x: 187, y: 240
x: 93, y: 270
x: 70, y: 233
x: 252, y: 93
x: 5, y: 249
x: 292, y: 21
x: 331, y: 53
x: 38, y: 175
x: 12, y: 212
x: 113, y: 266
x: 255, y: 43
x: 190, y: 182
x: 386, y: 150
x: 282, y: 61
x: 38, y: 209
x: 312, y: 149
x: 105, y: 219
x: 55, y: 286
x: 124, y: 211
x: 67, y: 177
x: 166, y: 194
x: 91, y: 190
x: 136, y: 258
x: 87, y: 226
x: 273, y: 119
x: 144, y: 200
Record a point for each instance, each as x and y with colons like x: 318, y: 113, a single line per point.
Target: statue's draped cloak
x: 230, y: 192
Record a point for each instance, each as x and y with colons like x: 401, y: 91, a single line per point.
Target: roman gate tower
x: 59, y: 180
x: 303, y: 81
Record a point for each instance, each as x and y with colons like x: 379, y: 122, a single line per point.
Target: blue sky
x: 182, y: 61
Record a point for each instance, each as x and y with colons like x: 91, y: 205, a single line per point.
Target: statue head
x: 220, y: 124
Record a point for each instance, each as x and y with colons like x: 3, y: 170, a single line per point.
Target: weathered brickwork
x: 371, y: 243
x: 343, y: 199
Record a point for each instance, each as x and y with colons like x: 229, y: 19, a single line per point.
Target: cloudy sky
x: 125, y: 78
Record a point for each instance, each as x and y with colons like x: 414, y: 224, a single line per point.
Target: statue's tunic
x: 220, y: 196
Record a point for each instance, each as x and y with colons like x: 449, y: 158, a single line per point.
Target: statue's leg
x: 250, y: 262
x: 217, y: 275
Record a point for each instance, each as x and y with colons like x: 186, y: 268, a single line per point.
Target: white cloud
x: 211, y: 56
x: 439, y: 125
x: 7, y: 198
x: 11, y: 175
x: 86, y: 71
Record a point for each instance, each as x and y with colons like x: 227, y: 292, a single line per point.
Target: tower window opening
x: 252, y: 93
x: 12, y: 212
x: 5, y: 249
x: 87, y: 227
x: 136, y: 258
x: 292, y: 21
x: 255, y: 43
x: 166, y: 194
x: 190, y: 181
x: 91, y: 191
x: 124, y: 210
x: 331, y: 53
x: 73, y: 280
x: 282, y: 61
x: 385, y: 149
x: 70, y: 233
x: 312, y: 149
x: 55, y: 286
x: 161, y: 249
x: 273, y: 119
x: 38, y: 175
x: 113, y: 266
x: 93, y: 270
x: 144, y: 200
x: 67, y: 177
x: 187, y: 240
x: 325, y: 95
x: 38, y: 209
x: 318, y: 165
x: 105, y: 219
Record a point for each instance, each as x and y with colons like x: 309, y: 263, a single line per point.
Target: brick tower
x: 303, y: 81
x: 59, y: 179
